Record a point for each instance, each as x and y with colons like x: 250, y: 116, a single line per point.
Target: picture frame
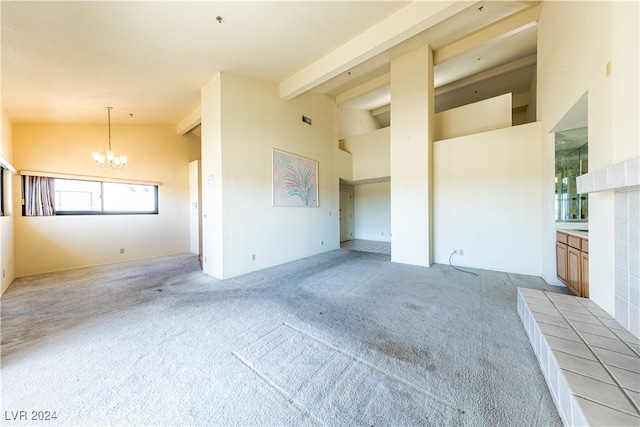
x: 294, y: 180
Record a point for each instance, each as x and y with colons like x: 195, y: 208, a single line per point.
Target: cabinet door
x: 561, y: 262
x: 584, y: 274
x: 574, y: 258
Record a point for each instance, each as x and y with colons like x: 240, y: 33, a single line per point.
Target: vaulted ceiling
x: 64, y: 61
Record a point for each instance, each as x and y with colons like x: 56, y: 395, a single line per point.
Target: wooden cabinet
x: 561, y: 261
x: 585, y: 274
x: 574, y: 270
x: 572, y: 262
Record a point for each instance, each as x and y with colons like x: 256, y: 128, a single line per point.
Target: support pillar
x: 412, y: 118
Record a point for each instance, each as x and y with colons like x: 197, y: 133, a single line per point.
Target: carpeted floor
x: 341, y: 338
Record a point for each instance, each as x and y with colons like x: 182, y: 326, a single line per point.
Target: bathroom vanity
x: 572, y: 260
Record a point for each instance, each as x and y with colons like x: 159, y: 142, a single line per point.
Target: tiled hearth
x: 591, y: 363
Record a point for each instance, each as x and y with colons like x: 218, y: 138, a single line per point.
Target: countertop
x: 578, y: 233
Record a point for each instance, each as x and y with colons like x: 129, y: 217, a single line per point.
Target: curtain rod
x: 87, y: 178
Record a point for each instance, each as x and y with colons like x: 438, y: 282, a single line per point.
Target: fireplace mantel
x: 623, y: 176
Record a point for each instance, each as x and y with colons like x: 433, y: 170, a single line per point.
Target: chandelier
x: 109, y: 160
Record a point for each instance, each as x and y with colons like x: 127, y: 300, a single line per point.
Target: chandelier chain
x: 109, y: 122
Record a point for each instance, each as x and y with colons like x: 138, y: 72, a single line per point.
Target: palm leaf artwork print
x: 294, y: 180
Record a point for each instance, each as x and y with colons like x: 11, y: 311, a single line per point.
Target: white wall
x: 251, y: 119
x: 7, y: 272
x: 155, y: 152
x: 572, y: 61
x: 370, y: 153
x: 481, y: 116
x: 373, y: 211
x: 487, y: 199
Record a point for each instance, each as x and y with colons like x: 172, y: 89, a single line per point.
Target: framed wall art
x: 295, y: 180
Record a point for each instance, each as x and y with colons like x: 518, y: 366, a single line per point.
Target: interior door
x: 346, y: 216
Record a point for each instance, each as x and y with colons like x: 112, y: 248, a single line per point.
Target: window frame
x: 154, y: 185
x: 2, y: 192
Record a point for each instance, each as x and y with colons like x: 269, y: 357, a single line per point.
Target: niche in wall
x: 571, y: 161
x: 572, y: 149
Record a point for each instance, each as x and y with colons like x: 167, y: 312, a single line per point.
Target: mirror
x: 571, y: 161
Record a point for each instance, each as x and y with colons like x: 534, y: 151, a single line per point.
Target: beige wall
x: 211, y: 164
x: 482, y: 116
x: 487, y: 199
x: 7, y: 272
x: 344, y: 164
x: 372, y: 211
x: 572, y: 61
x: 193, y: 142
x: 625, y: 63
x: 411, y: 170
x: 155, y: 153
x: 354, y: 122
x: 242, y: 120
x: 370, y: 153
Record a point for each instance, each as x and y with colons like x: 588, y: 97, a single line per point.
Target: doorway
x: 346, y: 216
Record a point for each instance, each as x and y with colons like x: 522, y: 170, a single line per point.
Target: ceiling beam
x: 402, y: 25
x: 503, y: 28
x: 367, y: 87
x: 381, y: 110
x: 192, y: 120
x: 506, y: 68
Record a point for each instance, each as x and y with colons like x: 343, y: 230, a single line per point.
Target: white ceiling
x: 66, y: 61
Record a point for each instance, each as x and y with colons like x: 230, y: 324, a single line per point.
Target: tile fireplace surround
x: 624, y: 180
x: 591, y: 363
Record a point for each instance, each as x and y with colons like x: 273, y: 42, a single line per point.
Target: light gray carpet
x: 342, y: 338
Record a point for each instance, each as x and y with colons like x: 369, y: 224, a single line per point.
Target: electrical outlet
x: 458, y: 251
x: 321, y: 242
x: 253, y: 257
x: 121, y: 250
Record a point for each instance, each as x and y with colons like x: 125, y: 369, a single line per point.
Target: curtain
x: 39, y: 196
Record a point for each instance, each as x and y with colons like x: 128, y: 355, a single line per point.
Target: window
x: 75, y: 197
x: 129, y: 198
x: 82, y: 197
x: 1, y: 191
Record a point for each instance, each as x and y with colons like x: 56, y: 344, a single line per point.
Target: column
x: 412, y: 118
